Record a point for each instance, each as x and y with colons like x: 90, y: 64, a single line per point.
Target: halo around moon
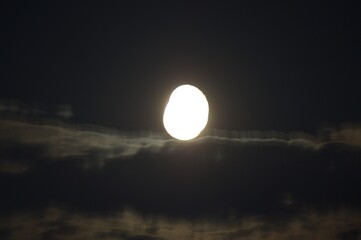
x: 186, y: 113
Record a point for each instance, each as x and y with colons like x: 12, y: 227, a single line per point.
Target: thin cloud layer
x: 60, y: 141
x: 58, y: 223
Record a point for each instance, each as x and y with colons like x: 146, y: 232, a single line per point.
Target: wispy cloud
x: 59, y: 140
x: 59, y: 223
x: 63, y: 140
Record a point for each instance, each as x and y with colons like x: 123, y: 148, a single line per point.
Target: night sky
x: 83, y: 150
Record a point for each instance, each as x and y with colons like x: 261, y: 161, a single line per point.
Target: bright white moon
x: 186, y: 113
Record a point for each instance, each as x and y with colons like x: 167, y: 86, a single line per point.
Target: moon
x: 186, y: 113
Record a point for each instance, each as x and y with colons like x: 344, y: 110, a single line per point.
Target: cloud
x: 95, y: 145
x: 64, y: 111
x: 347, y: 134
x: 13, y: 167
x: 343, y: 223
x: 60, y: 140
x: 222, y: 185
x: 210, y: 175
x: 16, y: 108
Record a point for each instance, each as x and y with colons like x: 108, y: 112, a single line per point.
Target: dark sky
x: 83, y: 151
x: 263, y: 66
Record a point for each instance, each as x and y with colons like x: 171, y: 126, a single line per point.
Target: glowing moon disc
x: 186, y: 113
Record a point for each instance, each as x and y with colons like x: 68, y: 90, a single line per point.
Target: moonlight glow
x: 186, y: 113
